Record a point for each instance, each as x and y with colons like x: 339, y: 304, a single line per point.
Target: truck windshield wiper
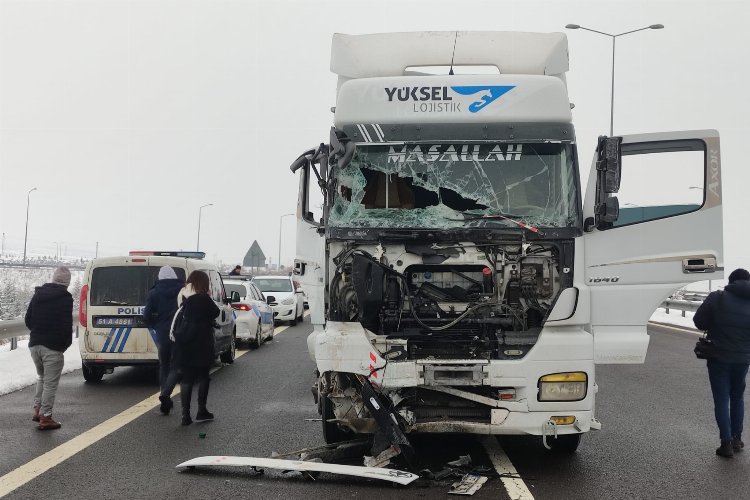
x: 503, y: 217
x: 113, y: 303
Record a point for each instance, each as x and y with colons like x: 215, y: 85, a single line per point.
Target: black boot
x: 737, y: 443
x: 166, y: 405
x: 186, y: 420
x: 203, y: 414
x: 725, y: 450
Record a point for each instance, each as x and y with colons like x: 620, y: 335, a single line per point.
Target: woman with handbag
x: 725, y: 315
x: 194, y: 342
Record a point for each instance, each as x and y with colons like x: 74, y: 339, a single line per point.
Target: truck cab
x: 461, y: 278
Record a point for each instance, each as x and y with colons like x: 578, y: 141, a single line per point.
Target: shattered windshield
x: 454, y: 185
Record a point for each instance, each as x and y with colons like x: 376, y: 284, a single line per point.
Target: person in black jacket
x: 49, y: 318
x: 194, y: 344
x: 161, y: 304
x: 726, y: 316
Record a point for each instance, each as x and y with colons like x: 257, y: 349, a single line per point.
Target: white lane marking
x: 41, y: 464
x: 515, y: 486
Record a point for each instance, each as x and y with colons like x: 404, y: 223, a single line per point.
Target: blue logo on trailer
x: 493, y: 93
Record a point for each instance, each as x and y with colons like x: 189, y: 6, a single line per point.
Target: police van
x: 112, y: 328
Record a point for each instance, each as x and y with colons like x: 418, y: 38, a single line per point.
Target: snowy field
x: 17, y: 371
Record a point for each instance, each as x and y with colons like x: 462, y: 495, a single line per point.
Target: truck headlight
x: 288, y: 301
x: 570, y: 386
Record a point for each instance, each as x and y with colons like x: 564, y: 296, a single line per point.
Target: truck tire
x: 92, y: 374
x: 567, y: 443
x: 228, y: 356
x: 332, y: 433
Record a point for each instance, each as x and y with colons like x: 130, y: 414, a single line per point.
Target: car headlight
x: 570, y: 386
x: 288, y: 301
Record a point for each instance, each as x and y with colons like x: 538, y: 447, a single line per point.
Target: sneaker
x: 204, y: 414
x: 35, y: 416
x: 725, y: 450
x: 47, y: 424
x: 166, y: 405
x: 186, y: 420
x: 737, y: 443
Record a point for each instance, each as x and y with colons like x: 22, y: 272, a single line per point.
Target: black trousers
x: 191, y: 376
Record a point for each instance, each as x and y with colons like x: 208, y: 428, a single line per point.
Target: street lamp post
x: 200, y: 209
x: 612, y: 91
x: 26, y: 234
x: 281, y: 218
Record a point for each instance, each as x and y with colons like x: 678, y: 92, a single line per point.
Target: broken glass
x: 448, y: 185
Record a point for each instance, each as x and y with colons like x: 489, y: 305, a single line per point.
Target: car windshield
x: 124, y: 285
x: 273, y: 285
x: 231, y: 287
x: 453, y: 185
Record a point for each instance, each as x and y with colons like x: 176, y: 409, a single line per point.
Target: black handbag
x: 704, y: 348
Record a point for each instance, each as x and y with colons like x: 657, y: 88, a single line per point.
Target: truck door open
x: 666, y: 233
x: 309, y: 263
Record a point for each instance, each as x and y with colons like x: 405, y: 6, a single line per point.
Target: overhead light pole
x: 281, y: 218
x: 200, y: 209
x: 26, y: 234
x: 613, y: 37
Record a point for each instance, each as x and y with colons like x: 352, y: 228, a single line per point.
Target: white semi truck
x: 459, y: 278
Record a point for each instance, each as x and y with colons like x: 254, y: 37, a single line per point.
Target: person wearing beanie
x: 49, y: 318
x: 725, y: 315
x: 161, y: 305
x: 236, y: 271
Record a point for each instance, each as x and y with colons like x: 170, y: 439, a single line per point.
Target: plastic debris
x: 462, y: 461
x: 468, y: 485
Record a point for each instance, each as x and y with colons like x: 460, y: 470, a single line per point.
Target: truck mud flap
x: 389, y: 430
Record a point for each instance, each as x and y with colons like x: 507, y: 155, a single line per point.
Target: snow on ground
x: 18, y: 371
x: 674, y: 318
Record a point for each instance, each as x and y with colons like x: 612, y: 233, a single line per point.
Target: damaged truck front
x: 456, y: 279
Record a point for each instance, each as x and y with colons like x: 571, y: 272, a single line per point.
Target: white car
x: 285, y: 297
x: 253, y: 315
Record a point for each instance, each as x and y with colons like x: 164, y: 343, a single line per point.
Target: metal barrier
x: 14, y: 328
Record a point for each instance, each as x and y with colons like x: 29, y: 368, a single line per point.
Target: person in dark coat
x: 236, y: 271
x: 161, y: 304
x: 725, y: 315
x: 49, y: 318
x: 194, y: 344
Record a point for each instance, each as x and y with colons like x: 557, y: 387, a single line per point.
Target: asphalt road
x: 657, y: 440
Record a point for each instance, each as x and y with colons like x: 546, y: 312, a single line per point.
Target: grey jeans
x: 49, y: 364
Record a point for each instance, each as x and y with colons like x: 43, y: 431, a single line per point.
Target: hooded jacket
x: 161, y: 304
x: 50, y: 317
x: 726, y: 317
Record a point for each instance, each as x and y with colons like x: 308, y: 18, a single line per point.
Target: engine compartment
x: 449, y: 301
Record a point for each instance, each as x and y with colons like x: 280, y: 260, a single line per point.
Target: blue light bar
x: 158, y: 253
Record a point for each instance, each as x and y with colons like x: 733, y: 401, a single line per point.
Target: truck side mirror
x: 610, y: 210
x: 610, y: 160
x: 609, y: 173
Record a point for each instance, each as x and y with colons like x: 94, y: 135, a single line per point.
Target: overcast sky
x: 129, y: 115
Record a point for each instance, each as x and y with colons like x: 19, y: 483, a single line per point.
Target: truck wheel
x: 92, y: 374
x: 332, y: 433
x: 228, y: 356
x: 567, y: 443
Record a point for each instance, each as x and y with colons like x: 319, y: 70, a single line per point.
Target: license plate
x: 107, y: 321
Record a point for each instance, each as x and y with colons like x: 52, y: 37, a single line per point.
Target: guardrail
x: 681, y: 305
x: 14, y: 328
